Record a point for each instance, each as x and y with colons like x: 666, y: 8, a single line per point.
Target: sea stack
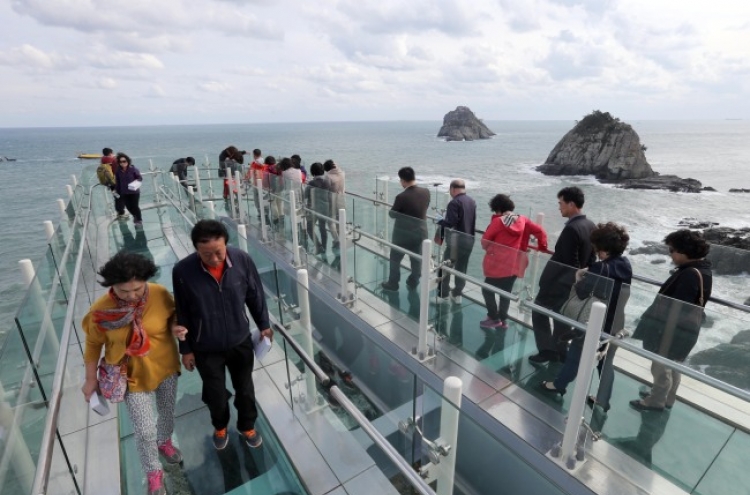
x: 462, y: 125
x: 602, y: 146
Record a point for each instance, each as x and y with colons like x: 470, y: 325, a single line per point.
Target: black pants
x: 322, y: 241
x: 548, y: 338
x: 497, y: 311
x: 394, y: 277
x: 239, y: 361
x: 129, y: 201
x: 459, y: 256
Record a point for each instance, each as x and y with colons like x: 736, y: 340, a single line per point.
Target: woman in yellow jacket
x: 133, y: 323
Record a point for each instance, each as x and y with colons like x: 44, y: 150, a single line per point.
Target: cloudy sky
x: 132, y: 62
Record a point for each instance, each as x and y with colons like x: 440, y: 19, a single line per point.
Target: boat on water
x: 89, y: 156
x: 6, y: 159
x: 364, y: 392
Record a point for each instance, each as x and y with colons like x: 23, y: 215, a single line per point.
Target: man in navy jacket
x: 461, y: 220
x: 212, y: 287
x: 573, y: 250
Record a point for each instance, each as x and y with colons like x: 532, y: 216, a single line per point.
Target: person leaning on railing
x: 669, y: 327
x: 133, y: 323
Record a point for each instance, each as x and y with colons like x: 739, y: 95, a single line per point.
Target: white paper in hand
x: 98, y: 404
x: 261, y: 346
x: 135, y: 185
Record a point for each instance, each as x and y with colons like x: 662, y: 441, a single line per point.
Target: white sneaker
x: 456, y: 299
x: 443, y: 300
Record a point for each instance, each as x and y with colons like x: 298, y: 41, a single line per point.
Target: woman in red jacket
x: 505, y: 242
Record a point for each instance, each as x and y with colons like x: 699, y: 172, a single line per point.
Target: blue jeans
x: 570, y: 369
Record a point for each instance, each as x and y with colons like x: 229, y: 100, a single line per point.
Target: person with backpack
x: 106, y: 175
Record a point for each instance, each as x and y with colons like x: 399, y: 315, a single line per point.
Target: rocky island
x: 462, y: 125
x: 603, y: 146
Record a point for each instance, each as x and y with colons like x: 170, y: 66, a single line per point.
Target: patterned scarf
x: 125, y: 313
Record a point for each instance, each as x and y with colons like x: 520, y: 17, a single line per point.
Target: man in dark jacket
x: 317, y: 199
x: 212, y: 287
x: 573, y: 250
x: 409, y: 212
x: 180, y: 168
x: 457, y: 229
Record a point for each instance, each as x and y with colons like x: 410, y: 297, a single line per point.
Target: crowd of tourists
x: 139, y: 336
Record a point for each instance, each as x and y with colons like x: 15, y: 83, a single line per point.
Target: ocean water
x: 714, y: 152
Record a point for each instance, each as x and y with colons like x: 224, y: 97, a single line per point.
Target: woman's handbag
x: 577, y: 308
x: 113, y: 380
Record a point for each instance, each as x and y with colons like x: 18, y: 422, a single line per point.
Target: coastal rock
x: 727, y: 362
x: 602, y: 146
x: 650, y: 247
x: 747, y: 302
x: 462, y: 125
x: 669, y: 182
x: 734, y: 190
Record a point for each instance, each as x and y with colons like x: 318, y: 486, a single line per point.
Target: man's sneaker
x: 220, y: 439
x: 389, y: 287
x: 443, y: 300
x: 456, y: 299
x: 122, y: 216
x: 252, y: 438
x: 138, y: 223
x: 490, y: 323
x: 411, y: 285
x: 170, y: 453
x: 156, y: 483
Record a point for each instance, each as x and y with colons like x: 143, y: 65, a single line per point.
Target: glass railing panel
x: 22, y: 417
x: 728, y: 470
x: 482, y: 461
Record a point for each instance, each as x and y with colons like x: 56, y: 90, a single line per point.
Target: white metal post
x: 178, y: 189
x: 386, y: 230
x: 449, y: 416
x: 69, y: 190
x: 583, y: 380
x: 424, y: 300
x: 345, y: 295
x: 242, y: 236
x: 36, y: 297
x: 198, y: 191
x: 242, y: 214
x: 75, y: 180
x: 191, y: 197
x: 261, y: 202
x: 211, y: 210
x: 305, y: 321
x: 152, y: 169
x: 230, y: 189
x: 535, y: 262
x: 63, y: 212
x: 208, y: 177
x: 295, y: 235
x: 49, y: 230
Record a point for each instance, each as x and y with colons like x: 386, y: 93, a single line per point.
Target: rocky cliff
x: 462, y: 125
x: 602, y: 146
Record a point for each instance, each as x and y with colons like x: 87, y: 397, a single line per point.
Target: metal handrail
x: 41, y: 477
x: 412, y: 476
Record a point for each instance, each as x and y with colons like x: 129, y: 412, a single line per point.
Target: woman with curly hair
x: 133, y: 324
x: 670, y: 326
x: 608, y: 279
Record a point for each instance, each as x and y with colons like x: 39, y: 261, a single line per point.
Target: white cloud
x: 369, y: 59
x: 28, y: 57
x: 214, y: 87
x: 106, y: 83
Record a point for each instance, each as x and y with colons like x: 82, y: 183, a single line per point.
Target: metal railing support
x: 424, y: 303
x: 262, y: 206
x: 566, y: 453
x: 241, y: 213
x: 75, y: 180
x: 198, y: 191
x: 153, y: 180
x: 49, y: 230
x: 296, y: 260
x: 178, y: 189
x: 191, y: 197
x: 16, y: 452
x: 63, y: 209
x: 345, y: 296
x: 535, y: 260
x: 69, y: 190
x: 242, y: 236
x: 230, y: 187
x: 305, y: 320
x: 446, y: 444
x: 211, y: 210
